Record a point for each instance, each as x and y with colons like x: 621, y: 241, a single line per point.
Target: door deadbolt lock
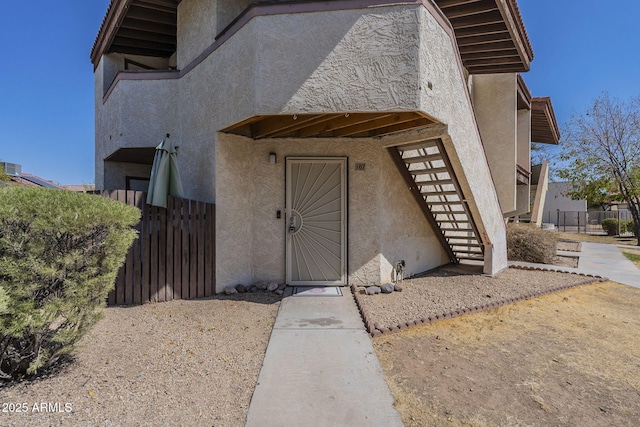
x: 295, y: 222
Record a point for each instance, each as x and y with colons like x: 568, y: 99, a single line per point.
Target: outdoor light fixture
x: 272, y: 158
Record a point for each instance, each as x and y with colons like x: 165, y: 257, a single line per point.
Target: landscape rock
x: 282, y: 286
x: 397, y: 287
x: 261, y: 285
x: 253, y: 289
x: 230, y: 290
x: 272, y: 286
x: 241, y: 288
x: 372, y: 290
x: 387, y: 288
x: 361, y: 290
x: 278, y: 292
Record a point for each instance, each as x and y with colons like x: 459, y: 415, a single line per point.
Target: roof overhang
x: 544, y: 127
x: 329, y: 125
x: 138, y: 27
x: 140, y: 155
x: 491, y: 35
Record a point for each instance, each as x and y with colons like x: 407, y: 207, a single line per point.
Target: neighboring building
x: 560, y: 209
x: 17, y: 177
x: 338, y: 139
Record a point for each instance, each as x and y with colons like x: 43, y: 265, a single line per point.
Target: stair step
x: 439, y: 193
x: 423, y: 159
x: 468, y: 251
x: 449, y: 212
x: 444, y: 203
x: 429, y: 171
x: 480, y: 258
x: 474, y: 245
x: 417, y: 145
x: 436, y: 182
x: 457, y: 229
x: 453, y: 221
x: 468, y: 241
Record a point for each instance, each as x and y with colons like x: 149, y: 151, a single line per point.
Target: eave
x: 491, y: 35
x: 138, y: 27
x: 544, y: 127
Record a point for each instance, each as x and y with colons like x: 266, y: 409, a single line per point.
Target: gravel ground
x: 179, y: 363
x: 453, y: 288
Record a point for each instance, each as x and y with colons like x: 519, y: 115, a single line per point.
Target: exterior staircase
x: 427, y: 171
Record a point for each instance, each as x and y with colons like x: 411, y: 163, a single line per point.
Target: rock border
x: 375, y: 329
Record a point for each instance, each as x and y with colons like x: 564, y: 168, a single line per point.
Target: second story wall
x: 495, y: 104
x: 197, y: 28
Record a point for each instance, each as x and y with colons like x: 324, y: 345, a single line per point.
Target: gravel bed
x: 452, y: 289
x: 570, y: 246
x: 179, y: 363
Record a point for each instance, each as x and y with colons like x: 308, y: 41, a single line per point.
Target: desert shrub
x: 60, y: 253
x: 526, y: 242
x: 610, y: 225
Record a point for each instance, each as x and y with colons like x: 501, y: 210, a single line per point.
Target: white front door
x: 316, y: 221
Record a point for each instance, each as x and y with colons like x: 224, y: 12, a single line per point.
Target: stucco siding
x: 494, y: 97
x: 197, y: 28
x: 384, y: 223
x: 366, y: 60
x: 138, y: 113
x: 396, y: 58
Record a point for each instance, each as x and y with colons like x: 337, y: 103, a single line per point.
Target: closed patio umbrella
x: 165, y: 178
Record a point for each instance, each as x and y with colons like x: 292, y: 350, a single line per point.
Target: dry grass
x: 569, y: 358
x: 632, y: 255
x: 597, y: 238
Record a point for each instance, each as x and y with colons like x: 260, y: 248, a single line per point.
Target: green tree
x: 602, y: 147
x: 599, y: 193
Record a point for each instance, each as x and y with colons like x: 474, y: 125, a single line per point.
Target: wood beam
x: 478, y: 20
x: 417, y: 123
x: 371, y: 125
x: 487, y: 47
x: 148, y: 15
x: 468, y: 10
x: 282, y: 125
x: 144, y: 44
x: 146, y: 35
x: 151, y: 27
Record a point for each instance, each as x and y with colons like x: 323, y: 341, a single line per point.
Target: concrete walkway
x: 600, y: 259
x: 320, y: 369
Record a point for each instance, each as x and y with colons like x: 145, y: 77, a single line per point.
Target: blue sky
x: 582, y: 48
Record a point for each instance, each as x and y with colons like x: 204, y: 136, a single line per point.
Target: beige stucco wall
x: 385, y: 224
x: 258, y: 71
x: 138, y: 113
x: 495, y: 103
x: 196, y: 28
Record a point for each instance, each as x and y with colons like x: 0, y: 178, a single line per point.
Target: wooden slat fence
x: 174, y: 254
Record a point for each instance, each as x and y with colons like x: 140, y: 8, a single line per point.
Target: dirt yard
x: 565, y: 359
x: 178, y: 363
